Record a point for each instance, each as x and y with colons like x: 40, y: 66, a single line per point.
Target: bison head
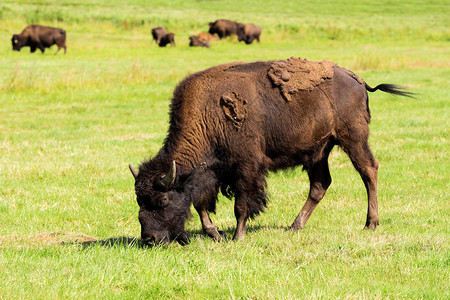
x: 17, y: 42
x: 212, y: 28
x: 163, y: 207
x: 240, y: 31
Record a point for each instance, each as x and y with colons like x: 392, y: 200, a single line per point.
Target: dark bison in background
x: 158, y: 33
x: 232, y: 123
x: 194, y: 41
x: 248, y: 33
x: 168, y: 38
x: 39, y: 37
x: 223, y: 28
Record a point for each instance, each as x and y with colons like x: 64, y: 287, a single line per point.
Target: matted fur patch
x: 295, y: 74
x: 234, y: 108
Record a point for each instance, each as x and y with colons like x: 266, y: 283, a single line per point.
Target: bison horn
x: 133, y: 171
x: 169, y: 179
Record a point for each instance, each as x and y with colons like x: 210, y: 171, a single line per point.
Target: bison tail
x: 391, y: 89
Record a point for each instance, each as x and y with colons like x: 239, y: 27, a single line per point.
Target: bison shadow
x: 227, y: 234
x: 111, y: 242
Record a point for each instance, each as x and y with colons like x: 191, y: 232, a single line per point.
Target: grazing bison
x: 232, y: 123
x: 169, y: 38
x: 158, y: 33
x: 223, y: 28
x: 196, y: 42
x: 40, y: 37
x: 248, y: 33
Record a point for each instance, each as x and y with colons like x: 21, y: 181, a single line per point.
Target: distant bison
x: 158, y: 33
x: 41, y: 37
x: 248, y: 33
x: 231, y: 124
x: 204, y: 36
x: 169, y: 38
x: 196, y: 42
x: 223, y: 28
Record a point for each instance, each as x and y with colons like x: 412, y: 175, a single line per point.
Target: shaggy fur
x: 230, y: 125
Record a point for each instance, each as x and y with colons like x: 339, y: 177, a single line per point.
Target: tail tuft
x: 391, y: 89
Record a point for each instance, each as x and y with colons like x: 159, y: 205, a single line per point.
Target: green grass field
x: 71, y: 124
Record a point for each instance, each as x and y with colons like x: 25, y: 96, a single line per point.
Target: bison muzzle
x: 231, y: 124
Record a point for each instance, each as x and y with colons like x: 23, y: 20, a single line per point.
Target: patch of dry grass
x: 43, y: 240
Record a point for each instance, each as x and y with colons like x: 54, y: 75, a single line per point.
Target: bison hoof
x: 295, y: 227
x: 372, y: 225
x: 213, y: 233
x: 239, y: 237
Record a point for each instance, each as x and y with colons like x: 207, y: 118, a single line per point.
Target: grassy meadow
x: 70, y: 125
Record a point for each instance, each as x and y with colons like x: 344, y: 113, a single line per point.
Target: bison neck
x: 188, y: 147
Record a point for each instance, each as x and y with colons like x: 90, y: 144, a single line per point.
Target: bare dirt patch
x: 296, y: 74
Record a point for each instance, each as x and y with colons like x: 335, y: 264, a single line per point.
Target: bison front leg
x: 241, y: 213
x: 320, y: 180
x: 41, y: 47
x: 250, y: 197
x: 207, y: 225
x: 203, y: 186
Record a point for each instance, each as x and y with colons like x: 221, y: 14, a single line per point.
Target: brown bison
x: 204, y: 36
x: 232, y: 123
x: 158, y: 33
x: 194, y: 41
x: 223, y: 28
x: 168, y: 38
x: 40, y: 37
x: 248, y: 33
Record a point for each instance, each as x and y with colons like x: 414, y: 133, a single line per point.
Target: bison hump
x: 296, y: 74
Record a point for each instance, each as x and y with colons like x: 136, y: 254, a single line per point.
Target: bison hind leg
x: 367, y: 167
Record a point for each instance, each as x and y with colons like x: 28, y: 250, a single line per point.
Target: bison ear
x: 234, y: 107
x: 169, y: 179
x: 133, y: 171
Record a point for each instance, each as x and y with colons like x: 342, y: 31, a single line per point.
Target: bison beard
x: 231, y: 124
